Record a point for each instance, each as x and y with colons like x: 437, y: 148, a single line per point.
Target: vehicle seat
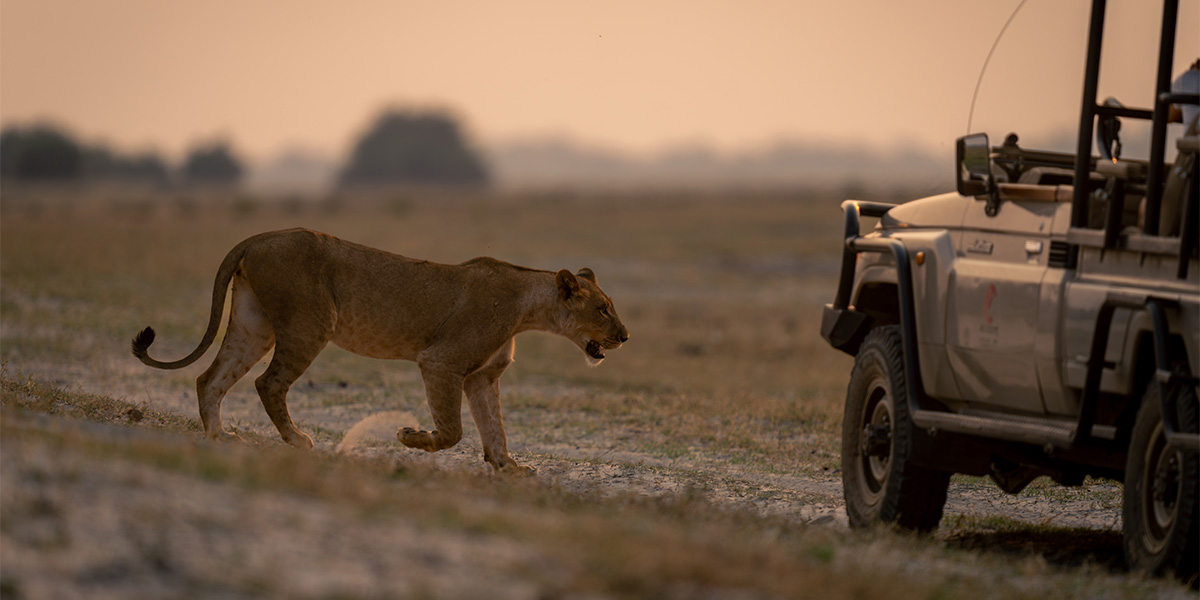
x: 1180, y: 179
x: 1047, y: 176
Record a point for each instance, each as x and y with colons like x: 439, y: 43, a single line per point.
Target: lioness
x: 297, y: 290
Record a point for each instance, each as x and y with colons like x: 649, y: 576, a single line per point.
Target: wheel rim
x: 875, y: 465
x: 1160, y: 491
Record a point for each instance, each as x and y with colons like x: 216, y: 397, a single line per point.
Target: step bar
x: 1039, y: 431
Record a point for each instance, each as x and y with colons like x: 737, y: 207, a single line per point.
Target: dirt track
x: 592, y: 466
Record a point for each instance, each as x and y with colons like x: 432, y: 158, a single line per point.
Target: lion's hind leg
x: 292, y: 357
x: 248, y: 338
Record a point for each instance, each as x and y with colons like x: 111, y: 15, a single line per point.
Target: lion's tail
x: 141, y: 341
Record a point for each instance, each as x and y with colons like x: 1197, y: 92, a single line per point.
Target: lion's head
x: 590, y: 320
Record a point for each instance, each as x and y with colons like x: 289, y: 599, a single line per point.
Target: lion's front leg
x: 483, y: 396
x: 444, y: 392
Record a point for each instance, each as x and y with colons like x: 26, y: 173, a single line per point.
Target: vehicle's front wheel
x: 1162, y: 492
x: 880, y: 484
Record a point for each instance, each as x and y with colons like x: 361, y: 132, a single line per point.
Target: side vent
x: 1060, y: 255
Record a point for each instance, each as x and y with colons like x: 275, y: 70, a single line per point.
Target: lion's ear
x: 587, y: 274
x: 568, y: 286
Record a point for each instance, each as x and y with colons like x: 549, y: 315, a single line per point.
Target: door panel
x: 993, y: 315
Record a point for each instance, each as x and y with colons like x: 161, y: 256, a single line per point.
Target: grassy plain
x: 700, y: 460
x: 721, y: 295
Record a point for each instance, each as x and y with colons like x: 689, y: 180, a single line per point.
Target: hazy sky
x: 638, y: 75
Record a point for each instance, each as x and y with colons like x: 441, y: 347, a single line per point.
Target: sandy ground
x: 594, y: 455
x: 121, y: 530
x: 605, y: 469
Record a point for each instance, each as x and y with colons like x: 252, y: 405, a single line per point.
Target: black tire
x: 879, y: 483
x: 1162, y: 492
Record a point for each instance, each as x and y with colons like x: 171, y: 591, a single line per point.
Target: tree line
x: 401, y: 147
x: 46, y: 153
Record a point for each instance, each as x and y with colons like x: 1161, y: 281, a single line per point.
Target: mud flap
x: 844, y: 328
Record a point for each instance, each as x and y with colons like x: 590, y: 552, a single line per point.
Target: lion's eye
x: 604, y: 310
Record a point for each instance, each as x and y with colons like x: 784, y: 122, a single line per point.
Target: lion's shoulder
x: 488, y: 263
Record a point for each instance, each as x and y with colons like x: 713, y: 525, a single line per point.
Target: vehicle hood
x: 944, y: 211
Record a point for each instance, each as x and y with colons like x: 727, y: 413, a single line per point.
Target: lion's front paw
x: 414, y: 438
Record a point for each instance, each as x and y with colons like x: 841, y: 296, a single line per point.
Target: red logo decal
x: 987, y: 302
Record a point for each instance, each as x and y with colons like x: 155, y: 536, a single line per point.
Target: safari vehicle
x: 1043, y: 320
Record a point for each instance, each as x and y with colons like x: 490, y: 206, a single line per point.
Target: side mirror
x: 974, y: 161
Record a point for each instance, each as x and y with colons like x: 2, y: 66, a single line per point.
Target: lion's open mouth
x: 595, y: 350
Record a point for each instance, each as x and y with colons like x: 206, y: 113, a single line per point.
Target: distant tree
x: 404, y: 147
x: 48, y: 153
x: 102, y: 164
x: 148, y: 167
x: 212, y: 163
x: 98, y: 162
x: 40, y: 153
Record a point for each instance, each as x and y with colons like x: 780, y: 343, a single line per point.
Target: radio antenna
x: 979, y: 82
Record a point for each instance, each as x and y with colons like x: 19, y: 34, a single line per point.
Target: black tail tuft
x: 142, y: 341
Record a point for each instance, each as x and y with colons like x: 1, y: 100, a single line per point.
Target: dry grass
x: 721, y: 295
x: 725, y: 368
x: 560, y: 542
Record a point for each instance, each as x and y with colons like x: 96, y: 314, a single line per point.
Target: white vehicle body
x: 1043, y: 320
